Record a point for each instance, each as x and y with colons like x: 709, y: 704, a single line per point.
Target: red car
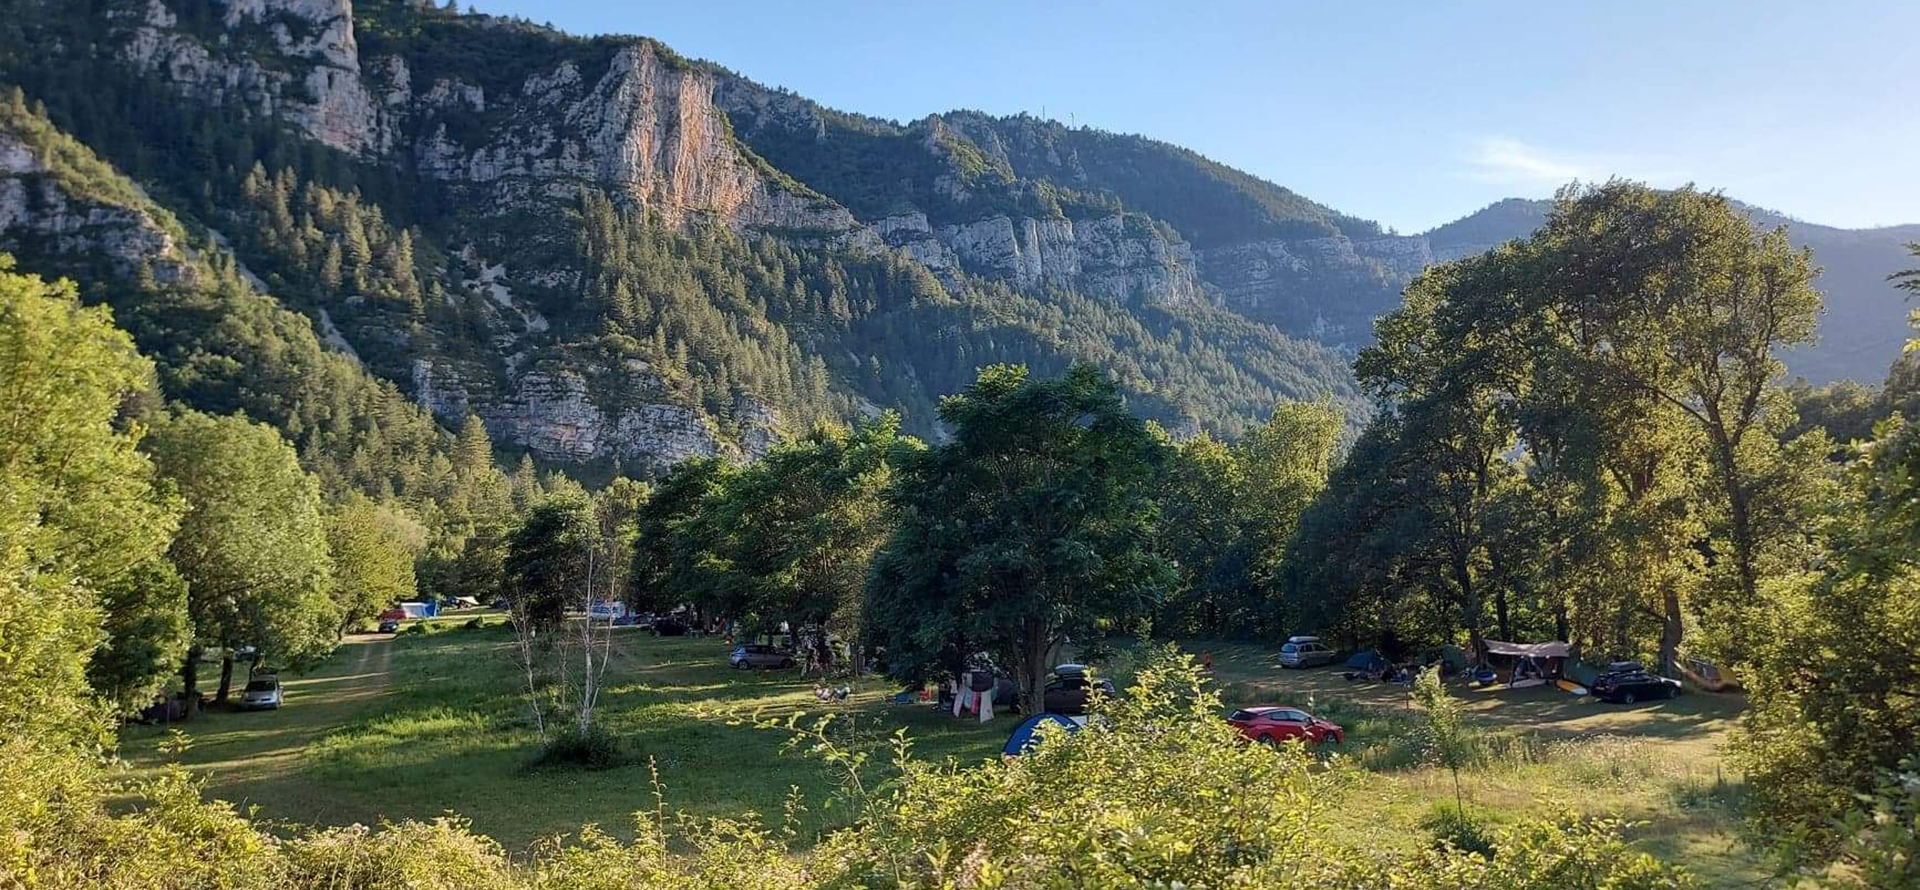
x: 1272, y: 724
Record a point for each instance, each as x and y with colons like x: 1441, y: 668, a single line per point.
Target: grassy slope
x: 419, y: 726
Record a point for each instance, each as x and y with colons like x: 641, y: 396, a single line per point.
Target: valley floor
x: 424, y: 725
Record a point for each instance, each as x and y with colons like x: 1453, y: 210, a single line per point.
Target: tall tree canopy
x: 253, y: 543
x: 373, y: 547
x: 1580, y: 434
x: 1033, y: 522
x: 799, y: 527
x: 83, y: 528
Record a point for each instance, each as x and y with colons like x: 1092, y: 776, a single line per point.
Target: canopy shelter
x: 1535, y: 664
x: 1528, y: 650
x: 1026, y: 736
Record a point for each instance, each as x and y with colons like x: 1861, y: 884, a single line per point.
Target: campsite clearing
x: 420, y: 725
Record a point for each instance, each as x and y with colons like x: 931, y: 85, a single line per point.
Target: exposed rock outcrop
x: 1113, y: 257
x: 35, y: 207
x: 1281, y: 281
x: 321, y: 92
x: 647, y: 129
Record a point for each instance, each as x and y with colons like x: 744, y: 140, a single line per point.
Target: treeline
x: 1583, y: 436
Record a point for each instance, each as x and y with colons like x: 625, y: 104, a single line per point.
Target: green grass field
x: 418, y: 726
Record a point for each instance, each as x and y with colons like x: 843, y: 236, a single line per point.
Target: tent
x: 1366, y: 661
x: 1026, y: 736
x: 1449, y: 655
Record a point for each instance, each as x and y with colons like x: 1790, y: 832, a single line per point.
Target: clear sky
x: 1411, y: 113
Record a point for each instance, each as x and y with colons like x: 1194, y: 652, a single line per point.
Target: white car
x: 262, y: 694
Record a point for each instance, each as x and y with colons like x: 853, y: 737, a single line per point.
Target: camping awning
x: 1532, y: 650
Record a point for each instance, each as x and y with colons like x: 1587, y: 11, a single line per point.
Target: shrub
x: 1459, y: 829
x: 592, y: 748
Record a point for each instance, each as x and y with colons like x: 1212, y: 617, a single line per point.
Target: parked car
x: 1306, y: 652
x: 389, y: 626
x: 1067, y: 692
x: 1633, y: 686
x: 395, y: 614
x: 669, y: 627
x: 759, y: 656
x: 262, y: 693
x: 1271, y: 725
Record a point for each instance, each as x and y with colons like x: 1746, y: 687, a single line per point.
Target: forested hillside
x: 622, y: 284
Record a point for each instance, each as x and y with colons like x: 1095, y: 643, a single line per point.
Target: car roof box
x: 1303, y: 639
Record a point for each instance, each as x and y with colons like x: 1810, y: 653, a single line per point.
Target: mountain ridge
x: 616, y: 255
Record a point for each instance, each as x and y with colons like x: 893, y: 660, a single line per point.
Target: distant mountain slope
x: 1865, y: 322
x: 572, y: 239
x: 618, y: 256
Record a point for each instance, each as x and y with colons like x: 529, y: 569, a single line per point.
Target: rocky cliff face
x: 565, y: 415
x: 36, y: 212
x: 1285, y: 281
x: 321, y: 91
x: 646, y: 128
x: 1113, y: 257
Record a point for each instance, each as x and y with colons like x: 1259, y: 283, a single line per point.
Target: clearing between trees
x: 430, y: 723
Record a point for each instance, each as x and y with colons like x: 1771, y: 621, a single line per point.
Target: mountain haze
x: 617, y: 256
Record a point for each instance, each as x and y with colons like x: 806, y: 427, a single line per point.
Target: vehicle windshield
x: 1289, y: 648
x: 1241, y: 715
x: 261, y: 686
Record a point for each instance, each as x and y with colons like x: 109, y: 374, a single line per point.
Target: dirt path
x: 254, y: 758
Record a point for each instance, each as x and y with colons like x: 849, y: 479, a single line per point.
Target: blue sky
x: 1410, y: 113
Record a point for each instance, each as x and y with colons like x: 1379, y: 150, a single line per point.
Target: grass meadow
x: 426, y: 724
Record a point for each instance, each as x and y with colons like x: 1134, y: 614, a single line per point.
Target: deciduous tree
x: 252, y: 545
x: 1032, y: 523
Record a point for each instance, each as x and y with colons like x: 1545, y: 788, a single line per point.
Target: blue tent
x: 1026, y: 736
x: 1366, y: 661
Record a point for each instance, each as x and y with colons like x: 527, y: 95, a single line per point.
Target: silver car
x: 262, y: 694
x: 1306, y: 652
x: 757, y: 656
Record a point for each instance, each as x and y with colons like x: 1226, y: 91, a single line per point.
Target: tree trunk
x: 1033, y: 686
x: 226, y: 678
x: 1739, y: 507
x: 1671, y: 633
x: 190, y: 680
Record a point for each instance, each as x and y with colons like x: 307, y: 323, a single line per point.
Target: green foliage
x: 83, y: 524
x: 799, y: 527
x: 1831, y: 677
x: 674, y: 539
x: 1033, y: 522
x: 594, y: 747
x: 1459, y: 829
x: 252, y: 545
x: 373, y: 549
x: 548, y: 559
x: 1584, y: 437
x: 1228, y: 513
x: 1445, y: 734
